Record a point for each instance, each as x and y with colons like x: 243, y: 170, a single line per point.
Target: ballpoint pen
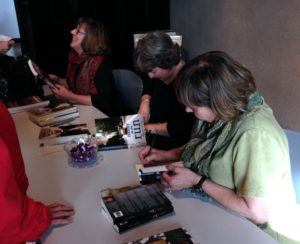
x: 153, y: 138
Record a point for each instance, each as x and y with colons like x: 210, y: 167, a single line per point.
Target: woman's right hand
x: 61, y: 214
x: 58, y: 80
x: 152, y: 155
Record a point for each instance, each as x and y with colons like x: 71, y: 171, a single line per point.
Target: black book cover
x: 128, y: 224
x: 133, y: 205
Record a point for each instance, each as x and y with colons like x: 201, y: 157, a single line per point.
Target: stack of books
x: 62, y: 134
x: 26, y: 104
x: 120, y: 132
x: 131, y: 206
x: 61, y: 113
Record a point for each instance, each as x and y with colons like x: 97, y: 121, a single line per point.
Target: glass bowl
x: 81, y: 151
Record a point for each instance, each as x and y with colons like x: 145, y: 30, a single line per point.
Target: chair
x: 130, y: 87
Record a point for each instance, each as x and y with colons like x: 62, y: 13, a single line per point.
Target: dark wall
x: 45, y: 27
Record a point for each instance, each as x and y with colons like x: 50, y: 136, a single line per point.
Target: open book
x: 38, y: 72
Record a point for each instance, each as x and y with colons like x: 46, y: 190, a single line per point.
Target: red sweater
x: 21, y: 218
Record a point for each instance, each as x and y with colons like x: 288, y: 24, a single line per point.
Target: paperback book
x: 131, y: 206
x: 150, y: 173
x: 26, y: 104
x: 61, y: 113
x: 120, y: 132
x: 175, y: 236
x: 62, y: 134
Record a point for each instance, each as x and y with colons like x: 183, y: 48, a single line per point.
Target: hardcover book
x: 26, y: 104
x: 61, y: 113
x: 175, y: 236
x: 150, y: 173
x: 39, y: 73
x: 62, y: 134
x: 120, y: 132
x: 131, y: 206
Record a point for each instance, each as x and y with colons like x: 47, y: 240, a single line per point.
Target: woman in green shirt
x: 238, y: 153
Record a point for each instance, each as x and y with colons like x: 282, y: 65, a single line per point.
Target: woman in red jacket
x: 22, y: 218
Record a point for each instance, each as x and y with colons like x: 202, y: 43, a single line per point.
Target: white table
x: 52, y: 179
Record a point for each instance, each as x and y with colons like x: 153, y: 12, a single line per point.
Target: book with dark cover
x: 131, y: 206
x: 62, y: 134
x: 61, y: 113
x: 175, y: 236
x: 26, y: 104
x: 150, y: 173
x: 41, y: 74
x: 120, y: 132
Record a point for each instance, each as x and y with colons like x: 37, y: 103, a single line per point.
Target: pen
x: 152, y: 144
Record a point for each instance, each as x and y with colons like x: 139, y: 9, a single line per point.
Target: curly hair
x: 95, y: 41
x: 215, y: 80
x: 156, y: 49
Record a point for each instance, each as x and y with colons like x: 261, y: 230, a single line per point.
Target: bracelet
x: 198, y: 187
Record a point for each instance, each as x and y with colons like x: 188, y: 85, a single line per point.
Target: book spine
x: 108, y: 148
x: 53, y: 115
x: 58, y: 120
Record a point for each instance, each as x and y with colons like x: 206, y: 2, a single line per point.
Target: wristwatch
x: 198, y: 187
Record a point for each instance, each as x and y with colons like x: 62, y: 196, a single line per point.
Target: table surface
x: 52, y: 179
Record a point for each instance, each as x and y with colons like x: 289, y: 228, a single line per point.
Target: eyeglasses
x: 78, y: 31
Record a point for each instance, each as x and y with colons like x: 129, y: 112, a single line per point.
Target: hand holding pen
x: 152, y: 142
x: 148, y: 154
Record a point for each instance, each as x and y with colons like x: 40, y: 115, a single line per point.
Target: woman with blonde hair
x: 89, y: 79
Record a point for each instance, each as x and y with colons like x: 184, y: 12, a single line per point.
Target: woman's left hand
x: 63, y: 92
x: 178, y: 178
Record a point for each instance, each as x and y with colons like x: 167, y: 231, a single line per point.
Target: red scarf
x: 81, y: 73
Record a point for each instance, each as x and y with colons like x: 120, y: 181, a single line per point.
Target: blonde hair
x: 95, y: 41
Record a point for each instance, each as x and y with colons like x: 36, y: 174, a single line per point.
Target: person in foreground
x: 160, y: 58
x: 22, y: 218
x: 89, y: 79
x: 238, y: 153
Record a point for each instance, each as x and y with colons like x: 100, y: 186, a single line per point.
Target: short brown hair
x: 95, y: 41
x: 215, y: 80
x: 156, y: 49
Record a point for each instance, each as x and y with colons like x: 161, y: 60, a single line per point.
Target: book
x: 41, y: 74
x: 120, y: 132
x: 26, y: 104
x: 174, y: 236
x: 150, y: 173
x: 61, y: 113
x: 62, y: 134
x: 131, y: 206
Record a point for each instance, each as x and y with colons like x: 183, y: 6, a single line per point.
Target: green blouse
x: 255, y: 163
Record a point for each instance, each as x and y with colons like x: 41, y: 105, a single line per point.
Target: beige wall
x: 264, y: 35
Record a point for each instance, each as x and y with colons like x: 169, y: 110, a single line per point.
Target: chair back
x: 130, y: 87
